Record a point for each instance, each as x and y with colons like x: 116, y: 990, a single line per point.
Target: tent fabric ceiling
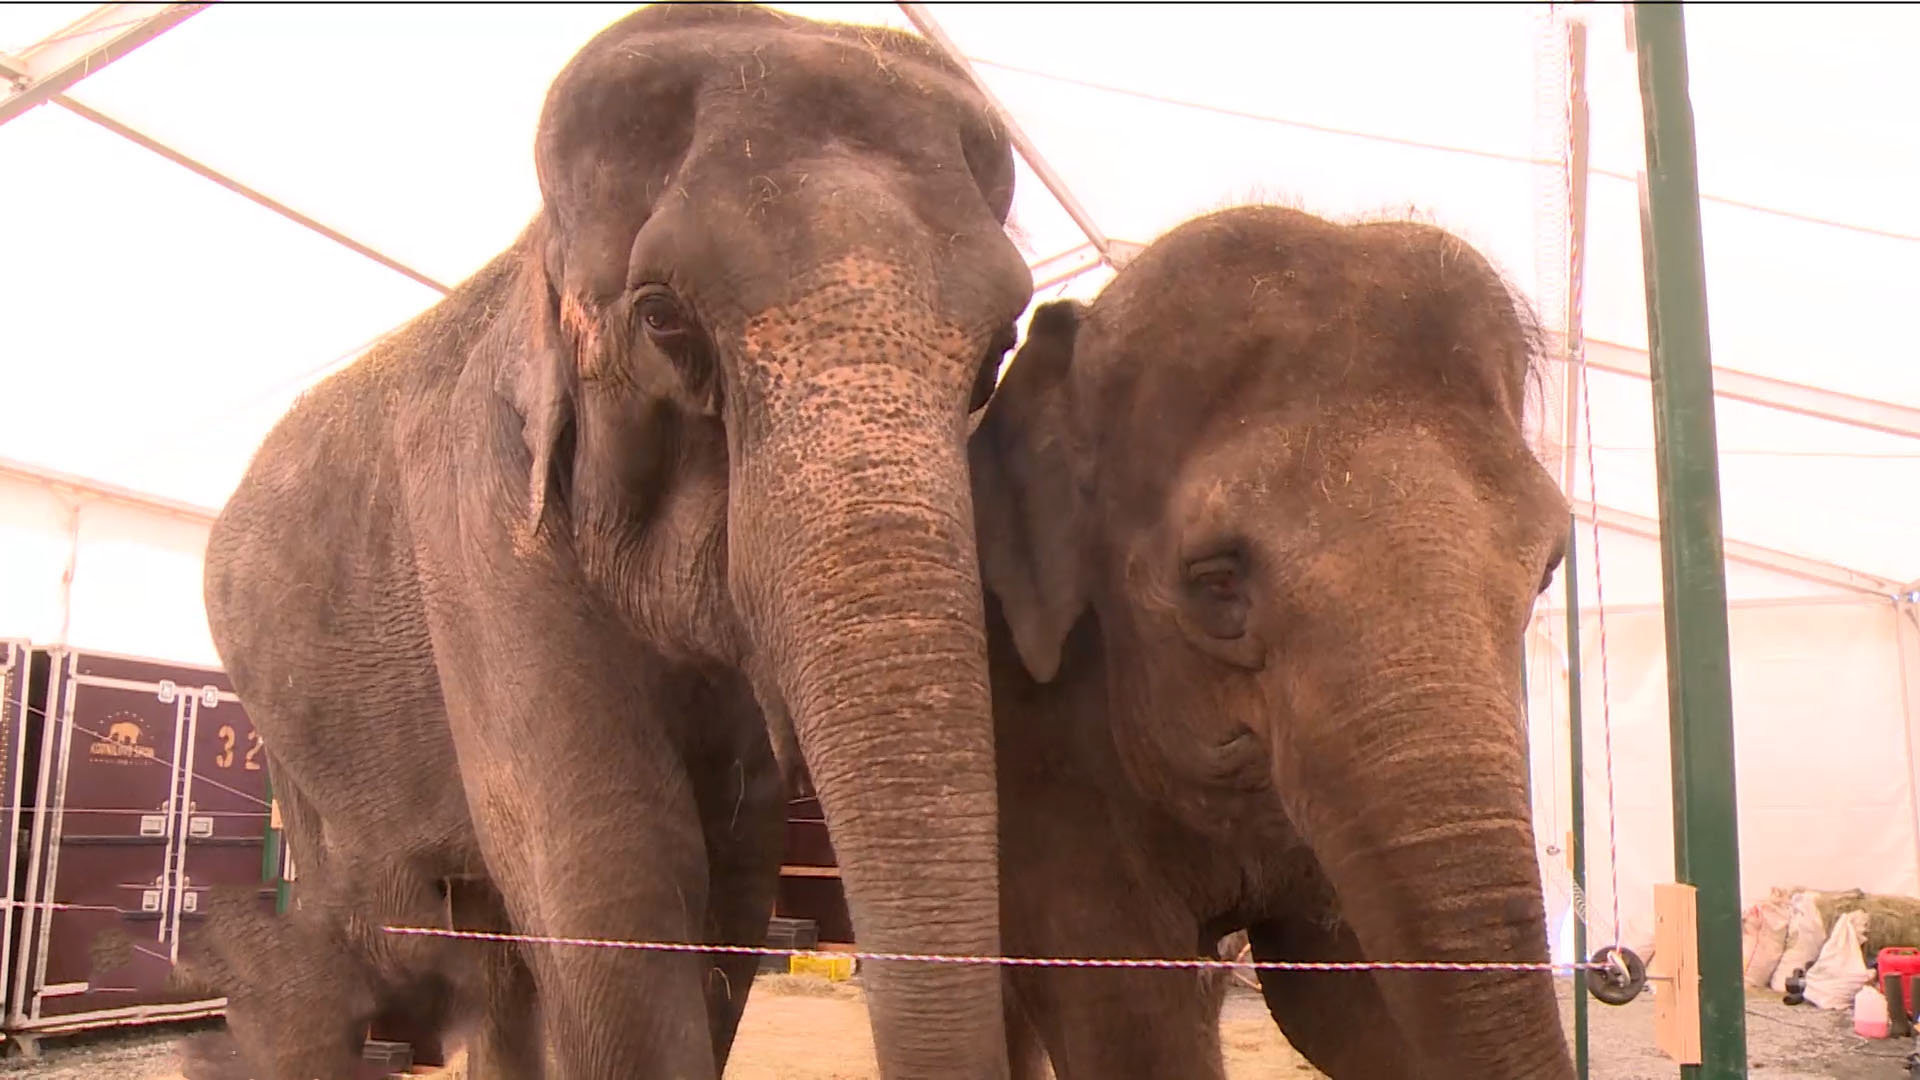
x: 156, y: 325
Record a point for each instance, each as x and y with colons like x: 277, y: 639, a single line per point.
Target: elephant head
x: 1280, y: 461
x: 774, y: 283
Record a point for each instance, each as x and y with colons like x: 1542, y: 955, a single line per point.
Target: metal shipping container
x: 810, y: 873
x: 150, y: 786
x: 15, y: 680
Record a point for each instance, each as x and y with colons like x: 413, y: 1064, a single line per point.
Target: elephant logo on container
x: 123, y: 741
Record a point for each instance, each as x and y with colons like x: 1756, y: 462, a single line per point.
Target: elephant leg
x: 589, y: 829
x: 506, y: 1045
x: 1107, y: 1023
x: 741, y: 799
x: 505, y: 1042
x: 608, y: 1011
x: 1337, y: 1020
x: 1123, y: 1023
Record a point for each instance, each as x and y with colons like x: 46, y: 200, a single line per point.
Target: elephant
x: 537, y: 604
x: 1261, y: 531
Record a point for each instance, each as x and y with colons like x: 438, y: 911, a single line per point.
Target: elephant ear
x: 545, y: 388
x: 1030, y: 506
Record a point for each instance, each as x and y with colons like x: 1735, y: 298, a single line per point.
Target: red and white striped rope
x: 1189, y: 963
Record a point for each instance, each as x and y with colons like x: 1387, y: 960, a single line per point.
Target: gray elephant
x: 1261, y: 534
x: 531, y: 603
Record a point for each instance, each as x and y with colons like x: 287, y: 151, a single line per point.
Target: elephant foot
x: 298, y: 1004
x: 284, y: 1037
x: 213, y: 1055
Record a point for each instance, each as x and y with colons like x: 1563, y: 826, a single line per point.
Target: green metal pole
x: 270, y: 862
x: 1576, y: 756
x: 1706, y: 845
x: 270, y: 848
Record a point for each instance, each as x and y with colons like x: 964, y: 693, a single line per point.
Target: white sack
x: 1764, y: 936
x: 1841, y: 970
x: 1805, y: 936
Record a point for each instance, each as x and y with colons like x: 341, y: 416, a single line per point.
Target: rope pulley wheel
x: 1618, y: 975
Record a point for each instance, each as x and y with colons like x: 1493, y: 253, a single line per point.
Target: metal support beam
x: 1063, y: 264
x: 1764, y: 558
x: 1889, y: 417
x: 68, y: 483
x: 40, y: 75
x: 44, y: 70
x: 1060, y: 271
x: 1075, y: 251
x: 1904, y: 657
x: 1065, y: 276
x: 146, y: 141
x: 1706, y: 834
x: 1114, y: 253
x: 1577, y: 827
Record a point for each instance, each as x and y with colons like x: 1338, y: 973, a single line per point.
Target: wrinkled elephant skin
x: 533, y: 603
x: 1262, y: 532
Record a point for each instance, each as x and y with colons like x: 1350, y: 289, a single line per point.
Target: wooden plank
x: 1676, y: 965
x: 810, y: 871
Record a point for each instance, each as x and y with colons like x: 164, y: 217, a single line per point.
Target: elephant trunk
x: 868, y: 616
x: 1421, y: 820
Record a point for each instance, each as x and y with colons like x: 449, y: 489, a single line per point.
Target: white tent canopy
x: 154, y: 324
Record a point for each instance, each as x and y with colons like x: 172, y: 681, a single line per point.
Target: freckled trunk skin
x: 1421, y: 819
x: 868, y: 596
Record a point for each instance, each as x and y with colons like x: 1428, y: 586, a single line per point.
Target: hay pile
x: 1892, y: 921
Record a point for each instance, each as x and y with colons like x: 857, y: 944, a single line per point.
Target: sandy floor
x: 807, y: 1029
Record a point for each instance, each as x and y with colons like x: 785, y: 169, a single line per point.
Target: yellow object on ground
x: 834, y: 968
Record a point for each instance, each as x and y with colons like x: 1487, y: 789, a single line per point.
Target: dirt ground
x: 808, y: 1029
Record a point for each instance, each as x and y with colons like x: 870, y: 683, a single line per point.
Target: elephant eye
x: 1223, y: 584
x: 672, y: 329
x: 1217, y: 596
x: 662, y: 316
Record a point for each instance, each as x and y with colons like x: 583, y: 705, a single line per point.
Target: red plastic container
x: 1903, y: 964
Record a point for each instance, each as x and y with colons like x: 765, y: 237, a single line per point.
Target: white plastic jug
x: 1870, y: 1013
